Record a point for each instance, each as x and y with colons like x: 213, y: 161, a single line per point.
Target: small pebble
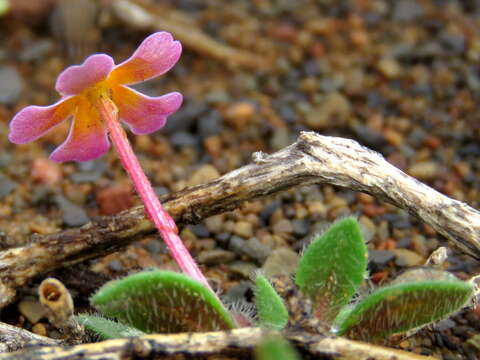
x: 282, y: 227
x: 114, y: 199
x: 243, y: 229
x: 6, y: 186
x: 244, y: 269
x: 215, y: 257
x: 282, y: 261
x: 256, y: 250
x: 300, y: 227
x: 425, y: 170
x: 73, y: 215
x: 380, y: 257
x: 214, y: 223
x: 32, y: 310
x: 39, y: 329
x: 407, y: 258
x: 115, y: 265
x: 237, y: 244
x: 407, y: 10
x: 202, y: 175
x: 46, y: 172
x: 200, y: 230
x: 389, y: 67
x: 334, y: 107
x: 11, y: 85
x: 240, y: 114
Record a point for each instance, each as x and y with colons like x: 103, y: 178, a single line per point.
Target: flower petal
x: 34, y: 121
x: 144, y: 114
x: 77, y: 78
x: 155, y: 56
x: 87, y: 139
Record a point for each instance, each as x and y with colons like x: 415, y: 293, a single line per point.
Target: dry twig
x: 203, y: 345
x: 194, y: 38
x: 313, y: 159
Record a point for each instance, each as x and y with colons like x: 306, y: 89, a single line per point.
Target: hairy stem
x: 163, y: 221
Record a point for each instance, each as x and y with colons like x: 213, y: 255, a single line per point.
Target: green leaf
x: 403, y: 306
x: 332, y: 268
x: 271, y: 309
x: 276, y: 348
x: 4, y: 7
x: 163, y: 302
x: 107, y: 329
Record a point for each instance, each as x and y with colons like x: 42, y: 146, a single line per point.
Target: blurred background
x: 402, y: 77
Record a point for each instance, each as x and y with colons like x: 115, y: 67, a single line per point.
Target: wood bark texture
x: 237, y: 343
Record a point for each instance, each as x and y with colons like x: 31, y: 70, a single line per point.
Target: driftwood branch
x: 202, y: 345
x: 312, y: 159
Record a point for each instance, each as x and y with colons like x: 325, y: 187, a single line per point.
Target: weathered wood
x: 13, y: 338
x: 202, y: 345
x: 312, y: 159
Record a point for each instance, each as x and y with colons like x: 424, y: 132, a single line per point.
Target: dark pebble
x: 37, y: 50
x: 398, y: 221
x: 5, y: 159
x: 89, y: 171
x: 375, y: 99
x: 445, y: 324
x: 463, y: 331
x: 268, y: 210
x: 369, y: 137
x: 300, y: 227
x: 210, y: 124
x: 73, y: 215
x: 256, y: 250
x: 416, y: 137
x: 183, y: 139
x: 287, y: 113
x: 471, y: 149
x: 155, y: 246
x: 200, y: 230
x: 160, y: 190
x: 380, y: 257
x: 215, y: 257
x: 311, y: 68
x: 6, y: 186
x: 236, y: 244
x: 223, y: 237
x: 184, y: 118
x: 404, y: 242
x: 237, y: 292
x: 407, y: 10
x: 115, y: 265
x: 11, y: 85
x: 454, y: 44
x: 79, y: 178
x: 41, y: 195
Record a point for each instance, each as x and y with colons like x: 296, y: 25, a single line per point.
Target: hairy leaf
x: 332, y: 268
x: 162, y: 302
x: 276, y: 348
x: 106, y: 328
x: 271, y: 309
x: 403, y: 306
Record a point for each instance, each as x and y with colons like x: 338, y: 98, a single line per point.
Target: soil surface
x: 400, y: 77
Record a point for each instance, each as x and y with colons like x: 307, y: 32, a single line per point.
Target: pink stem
x: 162, y: 220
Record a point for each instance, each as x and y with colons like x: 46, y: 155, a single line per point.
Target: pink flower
x: 82, y: 86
